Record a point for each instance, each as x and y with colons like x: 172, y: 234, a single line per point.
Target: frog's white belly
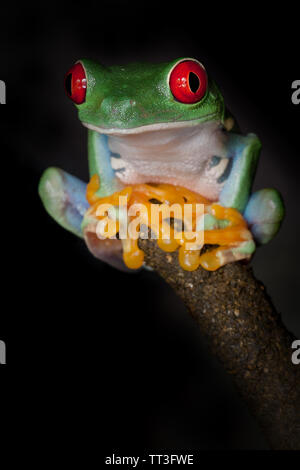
x: 193, y: 157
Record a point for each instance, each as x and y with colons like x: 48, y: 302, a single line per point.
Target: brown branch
x: 246, y: 333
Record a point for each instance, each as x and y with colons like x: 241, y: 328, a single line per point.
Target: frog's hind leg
x: 63, y: 196
x: 109, y: 250
x: 264, y: 214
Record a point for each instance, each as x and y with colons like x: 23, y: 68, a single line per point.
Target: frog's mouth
x: 150, y: 127
x: 188, y: 154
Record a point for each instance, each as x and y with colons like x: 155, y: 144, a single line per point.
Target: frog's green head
x: 127, y: 98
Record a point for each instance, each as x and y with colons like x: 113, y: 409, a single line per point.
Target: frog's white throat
x: 189, y: 156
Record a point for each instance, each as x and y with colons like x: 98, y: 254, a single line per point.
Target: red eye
x: 188, y: 81
x: 75, y: 83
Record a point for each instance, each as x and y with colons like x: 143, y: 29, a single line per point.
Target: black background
x: 91, y: 350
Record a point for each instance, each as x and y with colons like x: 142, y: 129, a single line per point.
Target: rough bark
x: 244, y: 330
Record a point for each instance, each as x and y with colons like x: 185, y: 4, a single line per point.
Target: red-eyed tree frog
x: 159, y: 123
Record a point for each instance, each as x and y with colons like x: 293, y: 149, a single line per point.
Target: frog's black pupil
x: 68, y: 84
x: 194, y: 82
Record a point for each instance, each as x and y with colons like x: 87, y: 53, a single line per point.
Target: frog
x: 161, y: 123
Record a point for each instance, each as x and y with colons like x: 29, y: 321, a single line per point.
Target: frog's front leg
x: 100, y: 163
x: 244, y: 151
x: 264, y: 209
